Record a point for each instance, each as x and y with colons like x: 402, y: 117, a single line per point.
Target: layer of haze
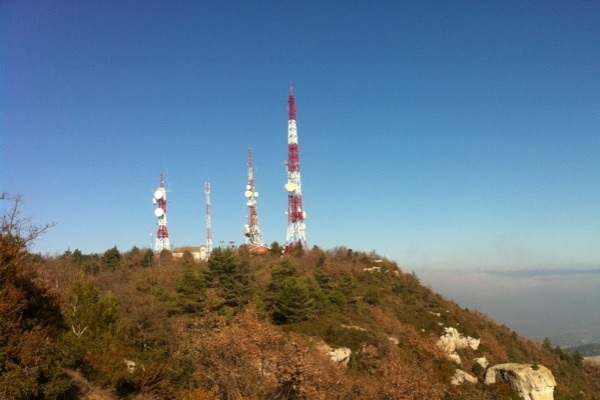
x: 439, y: 134
x: 562, y: 305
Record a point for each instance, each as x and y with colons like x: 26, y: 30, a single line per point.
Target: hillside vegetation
x: 240, y: 326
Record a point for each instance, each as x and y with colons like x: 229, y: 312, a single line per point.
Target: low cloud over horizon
x: 538, y: 272
x: 561, y: 304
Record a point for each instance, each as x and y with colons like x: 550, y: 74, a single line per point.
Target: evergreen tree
x: 132, y: 258
x: 286, y: 269
x: 294, y: 302
x: 347, y: 291
x: 321, y: 259
x: 321, y: 298
x: 90, y: 265
x: 111, y: 258
x: 276, y: 249
x: 231, y: 277
x: 398, y: 284
x: 77, y: 256
x: 165, y: 257
x: 91, y: 318
x: 296, y: 249
x: 372, y: 296
x: 191, y: 289
x: 323, y: 279
x: 147, y: 259
x: 325, y: 296
x: 187, y: 260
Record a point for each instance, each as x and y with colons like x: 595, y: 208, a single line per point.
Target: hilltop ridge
x: 328, y: 324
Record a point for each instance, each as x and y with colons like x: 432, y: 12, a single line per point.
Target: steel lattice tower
x: 252, y: 229
x: 296, y: 228
x: 208, y: 221
x: 162, y: 235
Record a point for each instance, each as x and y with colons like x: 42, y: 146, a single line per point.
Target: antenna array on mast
x: 208, y: 221
x: 252, y: 229
x: 296, y: 215
x: 296, y: 228
x: 162, y: 235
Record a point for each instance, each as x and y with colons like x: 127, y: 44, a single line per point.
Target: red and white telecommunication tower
x: 208, y: 221
x: 252, y: 229
x: 160, y: 200
x: 296, y: 228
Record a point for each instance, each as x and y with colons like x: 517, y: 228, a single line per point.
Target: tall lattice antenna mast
x: 162, y: 235
x: 252, y: 229
x: 208, y: 221
x: 296, y: 228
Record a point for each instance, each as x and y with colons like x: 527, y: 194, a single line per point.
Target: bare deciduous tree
x: 16, y: 226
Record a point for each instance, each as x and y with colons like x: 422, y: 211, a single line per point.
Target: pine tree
x: 286, y: 269
x: 231, y: 277
x: 347, y: 291
x: 91, y: 318
x: 191, y: 289
x: 147, y: 259
x: 111, y: 258
x: 294, y: 302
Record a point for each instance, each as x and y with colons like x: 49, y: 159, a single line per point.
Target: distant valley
x: 561, y: 304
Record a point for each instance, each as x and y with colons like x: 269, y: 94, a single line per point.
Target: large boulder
x: 531, y: 382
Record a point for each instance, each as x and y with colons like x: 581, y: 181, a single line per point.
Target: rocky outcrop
x: 453, y: 340
x: 531, y: 382
x: 340, y: 355
x: 461, y: 377
x: 482, y: 361
x: 455, y: 357
x: 358, y: 328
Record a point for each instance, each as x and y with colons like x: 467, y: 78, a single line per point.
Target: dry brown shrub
x: 197, y: 394
x: 248, y: 358
x: 494, y: 351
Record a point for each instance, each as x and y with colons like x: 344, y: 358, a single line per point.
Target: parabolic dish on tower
x: 290, y: 186
x: 248, y: 193
x: 153, y: 200
x: 159, y: 212
x: 159, y: 194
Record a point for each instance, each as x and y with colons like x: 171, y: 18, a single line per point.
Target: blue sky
x: 439, y: 134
